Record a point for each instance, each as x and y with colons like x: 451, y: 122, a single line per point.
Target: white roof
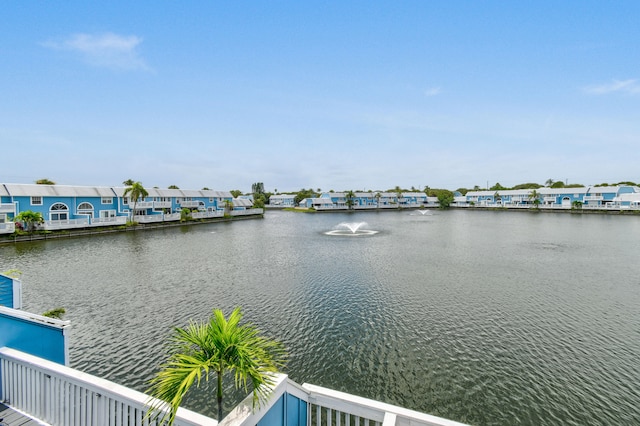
x: 34, y: 190
x: 242, y: 202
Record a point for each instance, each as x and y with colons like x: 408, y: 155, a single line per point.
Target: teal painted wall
x: 287, y: 411
x: 34, y: 338
x: 6, y: 291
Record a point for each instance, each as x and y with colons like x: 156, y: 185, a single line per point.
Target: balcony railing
x: 189, y: 204
x: 326, y: 407
x: 593, y: 198
x: 7, y: 227
x: 7, y: 208
x: 60, y: 395
x: 141, y: 205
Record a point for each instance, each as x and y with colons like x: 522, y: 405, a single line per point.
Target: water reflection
x: 489, y: 318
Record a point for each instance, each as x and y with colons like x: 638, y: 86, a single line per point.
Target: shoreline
x: 88, y: 232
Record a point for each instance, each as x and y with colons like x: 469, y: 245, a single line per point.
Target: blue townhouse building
x: 68, y: 207
x: 591, y: 197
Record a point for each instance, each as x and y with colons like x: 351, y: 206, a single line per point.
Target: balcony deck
x: 11, y: 417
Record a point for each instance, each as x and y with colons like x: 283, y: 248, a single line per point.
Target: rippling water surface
x: 489, y: 318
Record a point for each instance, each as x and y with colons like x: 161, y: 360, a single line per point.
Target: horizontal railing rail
x: 62, y: 396
x: 329, y: 407
x: 246, y: 212
x: 51, y: 225
x: 189, y: 203
x: 106, y: 221
x: 7, y: 227
x: 8, y: 208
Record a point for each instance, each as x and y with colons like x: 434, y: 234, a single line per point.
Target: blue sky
x: 332, y: 95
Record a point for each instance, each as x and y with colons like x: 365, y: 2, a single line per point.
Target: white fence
x: 52, y: 225
x: 7, y: 227
x: 109, y: 221
x: 247, y: 212
x: 327, y: 407
x: 62, y: 396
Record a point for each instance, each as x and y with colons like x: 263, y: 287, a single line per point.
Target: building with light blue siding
x: 67, y: 207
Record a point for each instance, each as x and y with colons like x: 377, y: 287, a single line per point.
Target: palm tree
x: 216, y: 346
x: 533, y: 196
x: 136, y: 192
x: 398, y: 191
x: 349, y: 195
x: 30, y: 219
x: 228, y: 206
x: 378, y: 195
x: 128, y: 182
x: 549, y: 182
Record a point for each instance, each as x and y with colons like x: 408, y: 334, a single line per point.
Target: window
x: 36, y: 201
x: 125, y: 200
x: 59, y: 211
x: 107, y: 200
x: 85, y: 209
x: 107, y: 213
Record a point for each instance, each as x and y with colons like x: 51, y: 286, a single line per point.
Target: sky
x: 330, y: 95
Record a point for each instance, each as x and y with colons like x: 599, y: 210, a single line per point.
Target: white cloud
x: 104, y: 50
x: 432, y: 91
x: 630, y: 87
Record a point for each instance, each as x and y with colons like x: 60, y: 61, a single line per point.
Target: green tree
x: 349, y: 195
x: 135, y: 192
x: 302, y: 194
x: 497, y: 187
x: 30, y: 218
x: 445, y: 198
x: 185, y: 214
x: 400, y: 196
x: 45, y: 181
x: 549, y: 182
x: 228, y: 206
x: 172, y: 187
x: 235, y: 193
x: 534, y: 196
x: 128, y: 182
x: 217, y: 346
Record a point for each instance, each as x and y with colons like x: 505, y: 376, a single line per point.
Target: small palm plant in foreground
x: 216, y: 346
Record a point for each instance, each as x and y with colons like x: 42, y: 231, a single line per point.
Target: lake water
x: 484, y: 317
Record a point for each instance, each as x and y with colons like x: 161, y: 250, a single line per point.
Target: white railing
x: 162, y: 204
x: 152, y: 218
x: 107, y: 221
x: 172, y: 217
x: 326, y: 407
x: 62, y: 396
x: 189, y: 203
x: 8, y: 208
x: 246, y: 212
x: 7, y: 227
x: 51, y: 225
x: 140, y: 205
x: 208, y: 214
x: 593, y: 198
